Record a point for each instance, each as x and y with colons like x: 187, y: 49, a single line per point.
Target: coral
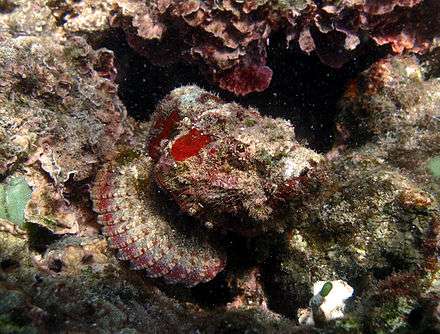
x: 365, y: 225
x: 73, y: 255
x: 88, y: 291
x: 389, y: 84
x: 245, y: 80
x: 228, y: 39
x: 85, y: 16
x: 25, y: 17
x: 48, y: 206
x: 393, y: 109
x: 146, y: 235
x: 57, y: 17
x: 219, y: 159
x: 55, y: 108
x: 206, y: 178
x: 249, y: 290
x: 334, y: 30
x: 336, y: 219
x: 371, y: 216
x: 15, y: 194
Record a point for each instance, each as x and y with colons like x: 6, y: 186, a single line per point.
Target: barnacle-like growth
x: 219, y: 159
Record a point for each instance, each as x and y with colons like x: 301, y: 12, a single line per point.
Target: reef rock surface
x: 258, y: 232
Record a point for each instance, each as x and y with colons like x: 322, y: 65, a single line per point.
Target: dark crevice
x: 7, y: 6
x: 40, y: 237
x: 56, y: 265
x: 9, y: 265
x: 243, y: 254
x: 303, y: 90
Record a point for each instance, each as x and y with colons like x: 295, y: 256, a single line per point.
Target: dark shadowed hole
x: 56, y: 265
x: 7, y: 6
x: 415, y: 317
x: 40, y: 237
x: 87, y: 259
x: 19, y: 318
x: 215, y: 292
x: 303, y: 90
x: 9, y: 265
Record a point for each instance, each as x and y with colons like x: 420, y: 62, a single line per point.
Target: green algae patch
x: 434, y: 166
x: 14, y: 196
x: 328, y: 286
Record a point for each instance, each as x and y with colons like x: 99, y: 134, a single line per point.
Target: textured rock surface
x: 76, y: 287
x: 57, y: 106
x: 368, y: 215
x: 372, y: 215
x: 85, y: 16
x: 228, y: 39
x: 25, y: 17
x: 395, y: 111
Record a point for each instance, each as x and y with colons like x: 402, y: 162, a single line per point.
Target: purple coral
x: 229, y: 39
x: 335, y: 30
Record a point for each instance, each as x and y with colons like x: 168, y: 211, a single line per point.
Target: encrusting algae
x: 14, y: 196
